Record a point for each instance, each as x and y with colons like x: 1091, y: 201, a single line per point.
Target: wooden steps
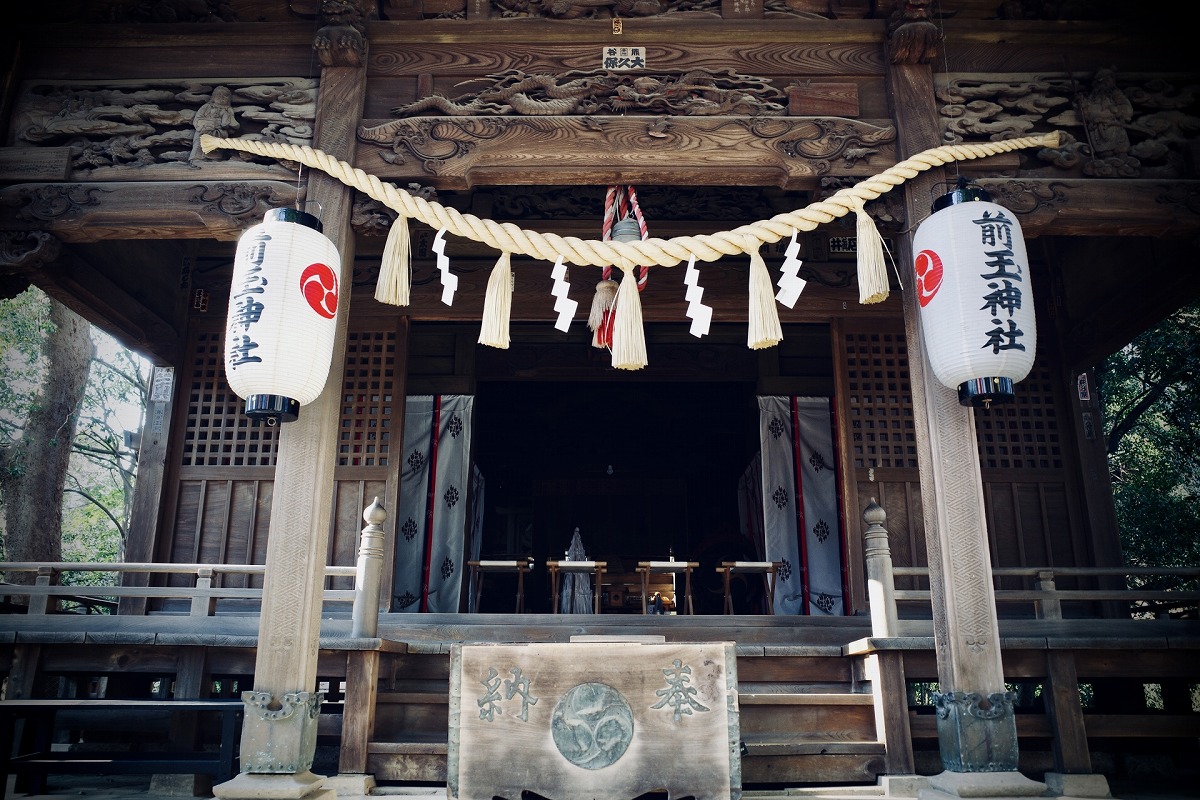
x: 802, y: 720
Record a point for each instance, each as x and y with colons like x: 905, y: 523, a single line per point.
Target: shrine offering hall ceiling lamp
x: 283, y: 304
x: 972, y: 283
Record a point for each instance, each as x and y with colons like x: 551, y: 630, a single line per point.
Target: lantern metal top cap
x: 293, y: 215
x: 963, y: 192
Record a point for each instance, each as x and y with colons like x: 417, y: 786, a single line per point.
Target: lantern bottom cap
x: 983, y: 392
x: 272, y: 407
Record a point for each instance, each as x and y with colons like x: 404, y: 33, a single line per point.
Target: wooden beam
x: 789, y: 152
x: 1083, y: 207
x: 92, y: 212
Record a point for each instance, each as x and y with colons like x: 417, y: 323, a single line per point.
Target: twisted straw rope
x: 511, y: 238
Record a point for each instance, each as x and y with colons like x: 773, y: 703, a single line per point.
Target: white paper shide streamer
x: 697, y: 311
x: 449, y: 279
x: 790, y: 283
x: 565, y: 306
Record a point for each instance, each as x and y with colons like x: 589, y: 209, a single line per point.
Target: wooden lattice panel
x: 217, y: 433
x: 368, y: 399
x: 1024, y: 434
x: 879, y: 404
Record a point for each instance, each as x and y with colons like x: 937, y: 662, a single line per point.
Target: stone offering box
x: 601, y: 720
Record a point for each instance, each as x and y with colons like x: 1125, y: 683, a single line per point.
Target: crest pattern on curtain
x: 434, y: 483
x: 801, y: 521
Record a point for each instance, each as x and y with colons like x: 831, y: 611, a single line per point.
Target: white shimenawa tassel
x: 629, y: 340
x: 392, y: 287
x: 497, y: 304
x: 872, y: 268
x: 762, y: 329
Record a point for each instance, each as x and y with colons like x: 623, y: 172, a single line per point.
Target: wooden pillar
x: 977, y: 732
x: 147, y: 493
x: 279, y: 731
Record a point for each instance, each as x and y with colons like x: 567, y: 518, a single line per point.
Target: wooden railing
x: 47, y: 596
x: 1045, y: 600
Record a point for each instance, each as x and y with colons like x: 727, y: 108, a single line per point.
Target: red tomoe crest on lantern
x: 929, y: 276
x: 320, y: 287
x: 283, y: 302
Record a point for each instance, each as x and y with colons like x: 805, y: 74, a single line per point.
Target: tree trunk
x: 33, y: 469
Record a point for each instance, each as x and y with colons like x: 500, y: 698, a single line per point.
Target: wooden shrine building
x: 876, y: 647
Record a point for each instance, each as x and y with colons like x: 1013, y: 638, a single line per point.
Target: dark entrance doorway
x: 645, y: 470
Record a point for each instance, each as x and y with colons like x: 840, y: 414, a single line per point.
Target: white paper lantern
x: 283, y: 304
x: 973, y: 287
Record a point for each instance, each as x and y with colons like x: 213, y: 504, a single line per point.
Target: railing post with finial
x: 365, y: 616
x: 881, y: 587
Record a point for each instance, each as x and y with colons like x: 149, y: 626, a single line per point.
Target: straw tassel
x: 872, y: 268
x: 763, y: 329
x: 497, y: 304
x: 392, y: 287
x: 600, y: 318
x: 628, y: 338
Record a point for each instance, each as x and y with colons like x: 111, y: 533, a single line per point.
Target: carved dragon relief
x: 116, y: 132
x: 605, y: 9
x: 830, y: 138
x: 1115, y: 128
x: 598, y: 92
x: 590, y: 99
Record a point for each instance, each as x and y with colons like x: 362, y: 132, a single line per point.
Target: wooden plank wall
x: 219, y: 503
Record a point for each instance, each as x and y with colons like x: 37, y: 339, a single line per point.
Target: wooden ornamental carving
x: 23, y: 252
x: 51, y: 202
x: 912, y: 36
x: 698, y: 92
x: 341, y: 40
x: 539, y: 128
x: 1116, y: 127
x: 148, y: 131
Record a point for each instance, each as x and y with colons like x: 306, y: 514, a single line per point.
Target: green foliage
x: 1152, y: 424
x: 91, y: 534
x: 99, y: 486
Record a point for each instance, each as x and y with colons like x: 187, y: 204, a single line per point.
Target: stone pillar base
x: 350, y: 784
x: 993, y: 785
x: 265, y: 786
x: 1089, y: 785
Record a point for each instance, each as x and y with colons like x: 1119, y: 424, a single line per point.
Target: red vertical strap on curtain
x: 841, y: 504
x: 430, y: 505
x: 801, y: 528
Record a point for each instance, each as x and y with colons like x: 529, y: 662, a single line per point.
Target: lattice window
x: 1024, y: 434
x: 217, y: 433
x: 880, y: 401
x: 364, y: 438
